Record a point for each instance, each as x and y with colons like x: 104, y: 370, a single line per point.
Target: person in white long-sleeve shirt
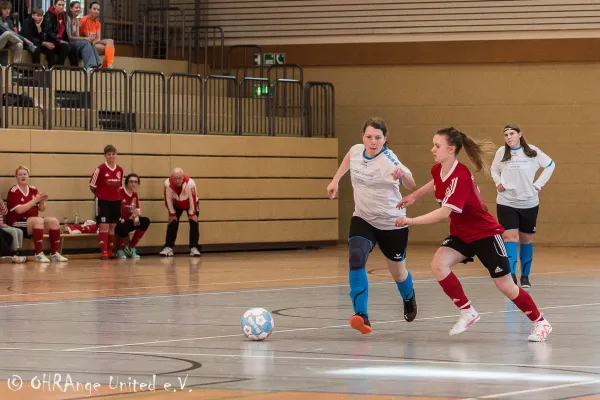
x: 513, y: 171
x: 180, y: 196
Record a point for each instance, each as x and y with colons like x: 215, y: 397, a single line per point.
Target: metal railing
x: 26, y: 88
x: 286, y: 71
x: 70, y: 98
x: 253, y: 106
x: 219, y: 107
x: 286, y: 110
x: 319, y: 107
x: 160, y: 32
x: 240, y: 61
x: 184, y: 103
x: 114, y: 100
x: 209, y: 49
x: 110, y: 100
x: 147, y: 103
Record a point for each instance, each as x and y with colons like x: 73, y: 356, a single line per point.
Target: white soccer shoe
x: 468, y: 317
x: 540, y: 332
x: 195, y: 252
x: 58, y: 257
x: 166, y: 252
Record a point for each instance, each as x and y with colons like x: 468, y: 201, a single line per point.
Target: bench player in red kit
x: 473, y: 230
x: 106, y: 184
x: 131, y: 219
x: 180, y: 196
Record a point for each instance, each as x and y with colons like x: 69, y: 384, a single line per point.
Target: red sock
x: 111, y: 242
x: 137, y: 236
x: 103, y: 241
x: 527, y: 305
x: 54, y: 240
x: 121, y: 243
x: 38, y: 240
x: 453, y: 289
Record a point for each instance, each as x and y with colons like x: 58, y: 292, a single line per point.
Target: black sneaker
x: 525, y: 284
x: 514, y: 279
x: 410, y: 308
x: 361, y: 323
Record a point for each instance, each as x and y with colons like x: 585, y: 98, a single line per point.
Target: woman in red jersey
x: 106, y: 183
x: 24, y: 204
x: 131, y: 218
x: 473, y: 230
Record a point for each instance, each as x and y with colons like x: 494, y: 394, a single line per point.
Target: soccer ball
x: 257, y: 324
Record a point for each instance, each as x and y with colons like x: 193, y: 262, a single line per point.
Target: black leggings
x: 124, y: 228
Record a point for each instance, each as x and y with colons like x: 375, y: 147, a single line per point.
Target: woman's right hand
x: 332, y: 190
x: 407, y: 201
x: 500, y: 188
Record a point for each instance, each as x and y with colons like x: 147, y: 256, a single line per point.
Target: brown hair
x: 377, y: 123
x: 22, y: 167
x: 110, y: 149
x: 5, y: 5
x: 475, y: 149
x: 529, y: 152
x: 37, y: 11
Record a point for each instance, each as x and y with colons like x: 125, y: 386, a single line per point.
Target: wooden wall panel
x: 360, y: 21
x: 554, y: 103
x: 258, y: 190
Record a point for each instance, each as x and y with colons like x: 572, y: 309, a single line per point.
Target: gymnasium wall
x: 362, y: 21
x: 260, y: 190
x: 556, y: 105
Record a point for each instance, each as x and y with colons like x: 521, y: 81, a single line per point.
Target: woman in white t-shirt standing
x: 513, y: 171
x: 376, y: 176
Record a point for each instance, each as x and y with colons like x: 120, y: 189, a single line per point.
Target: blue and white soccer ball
x: 257, y: 324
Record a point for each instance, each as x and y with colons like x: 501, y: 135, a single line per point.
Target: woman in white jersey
x: 513, y: 171
x: 376, y: 176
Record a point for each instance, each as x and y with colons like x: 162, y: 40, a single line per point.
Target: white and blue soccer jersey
x: 376, y: 192
x: 517, y: 175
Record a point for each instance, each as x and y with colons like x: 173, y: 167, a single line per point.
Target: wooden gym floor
x: 92, y: 328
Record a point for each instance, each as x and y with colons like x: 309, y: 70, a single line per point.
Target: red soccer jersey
x: 108, y: 182
x: 15, y: 198
x: 129, y: 202
x: 470, y: 219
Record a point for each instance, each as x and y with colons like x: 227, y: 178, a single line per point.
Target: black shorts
x: 392, y: 243
x: 523, y: 219
x: 108, y: 212
x: 22, y: 225
x: 490, y: 251
x: 123, y: 228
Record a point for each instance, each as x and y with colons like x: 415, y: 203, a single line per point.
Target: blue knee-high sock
x: 526, y: 258
x: 406, y: 287
x: 359, y: 290
x: 512, y: 249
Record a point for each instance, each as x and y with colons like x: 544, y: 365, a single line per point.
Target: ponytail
x: 476, y: 150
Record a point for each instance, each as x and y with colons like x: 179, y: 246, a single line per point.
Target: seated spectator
x: 8, y: 38
x: 16, y: 235
x: 180, y: 196
x: 24, y: 204
x: 90, y: 27
x: 55, y: 31
x: 81, y: 47
x: 33, y: 31
x: 131, y: 218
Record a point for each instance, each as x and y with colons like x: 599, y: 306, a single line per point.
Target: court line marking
x: 275, y: 357
x: 543, y: 389
x: 211, y: 293
x: 202, y: 284
x: 255, y: 281
x: 208, y: 293
x: 314, y: 328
